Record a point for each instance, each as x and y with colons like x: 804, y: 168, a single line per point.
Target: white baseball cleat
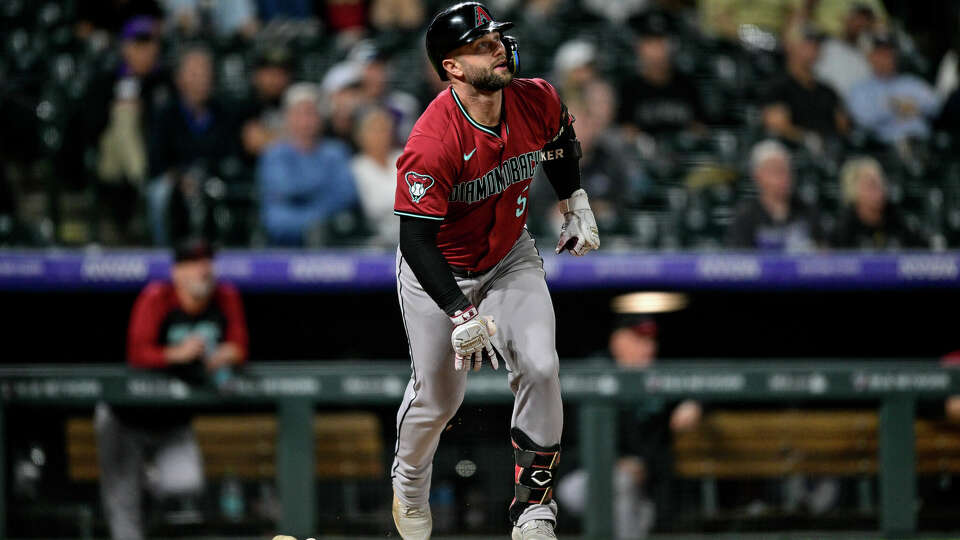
x: 537, y: 529
x: 413, y: 523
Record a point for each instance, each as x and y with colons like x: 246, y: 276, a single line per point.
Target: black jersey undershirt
x: 418, y: 245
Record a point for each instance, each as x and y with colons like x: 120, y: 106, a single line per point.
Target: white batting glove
x: 471, y: 336
x: 579, y: 233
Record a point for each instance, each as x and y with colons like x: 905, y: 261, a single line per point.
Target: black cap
x: 883, y: 39
x: 273, y: 57
x: 456, y: 26
x: 651, y: 25
x: 192, y: 249
x: 862, y: 8
x: 642, y: 325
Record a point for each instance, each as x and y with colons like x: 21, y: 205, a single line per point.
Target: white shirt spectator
x: 376, y: 186
x: 841, y: 65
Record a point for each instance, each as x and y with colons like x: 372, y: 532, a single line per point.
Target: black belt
x: 464, y: 273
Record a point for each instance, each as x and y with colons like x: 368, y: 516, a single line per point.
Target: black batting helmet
x: 461, y: 24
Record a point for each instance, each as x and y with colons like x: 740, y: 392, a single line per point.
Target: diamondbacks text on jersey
x: 474, y: 178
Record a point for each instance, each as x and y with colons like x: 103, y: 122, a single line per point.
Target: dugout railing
x: 297, y: 389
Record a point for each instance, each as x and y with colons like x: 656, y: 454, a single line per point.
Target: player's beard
x: 487, y: 80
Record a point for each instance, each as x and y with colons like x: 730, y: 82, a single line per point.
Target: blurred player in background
x: 643, y: 480
x: 466, y: 259
x: 190, y: 327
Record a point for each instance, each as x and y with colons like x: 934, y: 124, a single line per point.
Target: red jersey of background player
x: 473, y: 178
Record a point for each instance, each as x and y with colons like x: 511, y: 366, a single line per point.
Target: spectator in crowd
x: 405, y: 15
x: 643, y: 481
x: 799, y: 108
x: 344, y: 96
x: 304, y: 180
x: 262, y: 114
x: 616, y: 11
x: 732, y: 19
x: 775, y: 220
x: 573, y: 68
x: 609, y: 169
x: 345, y: 18
x: 375, y: 90
x: 374, y: 168
x: 658, y: 100
x: 192, y: 328
x: 111, y: 16
x: 869, y: 221
x: 832, y: 16
x: 891, y: 106
x: 223, y: 18
x: 842, y: 62
x: 191, y: 138
x: 118, y: 111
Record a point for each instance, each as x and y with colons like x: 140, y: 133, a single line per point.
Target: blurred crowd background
x: 780, y: 125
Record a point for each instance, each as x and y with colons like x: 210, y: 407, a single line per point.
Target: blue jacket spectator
x: 303, y: 180
x: 892, y: 106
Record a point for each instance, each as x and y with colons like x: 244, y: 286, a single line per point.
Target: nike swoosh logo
x: 466, y: 157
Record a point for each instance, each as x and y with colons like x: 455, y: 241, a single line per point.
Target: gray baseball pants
x: 167, y: 462
x: 515, y: 294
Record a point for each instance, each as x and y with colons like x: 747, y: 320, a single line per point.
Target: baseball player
x: 469, y: 278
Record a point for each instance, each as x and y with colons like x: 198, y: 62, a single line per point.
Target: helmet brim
x: 478, y: 31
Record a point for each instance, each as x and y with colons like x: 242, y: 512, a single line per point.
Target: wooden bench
x: 348, y: 446
x: 775, y: 444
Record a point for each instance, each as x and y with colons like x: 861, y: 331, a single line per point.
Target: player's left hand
x: 579, y: 234
x: 470, y: 339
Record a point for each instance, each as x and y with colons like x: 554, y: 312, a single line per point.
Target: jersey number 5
x: 522, y: 202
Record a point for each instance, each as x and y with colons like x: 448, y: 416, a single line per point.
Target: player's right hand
x: 579, y: 234
x: 470, y: 337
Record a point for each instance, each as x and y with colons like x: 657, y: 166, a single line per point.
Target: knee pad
x: 533, y: 473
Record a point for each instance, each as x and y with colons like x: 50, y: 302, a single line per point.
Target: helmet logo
x: 418, y: 184
x: 481, y: 16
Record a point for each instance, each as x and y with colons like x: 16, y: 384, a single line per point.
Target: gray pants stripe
x: 413, y: 366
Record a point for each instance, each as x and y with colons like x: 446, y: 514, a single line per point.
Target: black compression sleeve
x: 561, y: 159
x: 418, y: 246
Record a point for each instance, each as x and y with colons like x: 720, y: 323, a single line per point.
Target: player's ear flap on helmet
x: 513, y: 53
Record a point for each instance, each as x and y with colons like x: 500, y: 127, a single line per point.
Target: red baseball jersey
x: 473, y: 179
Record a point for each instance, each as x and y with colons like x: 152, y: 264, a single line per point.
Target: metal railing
x: 297, y: 388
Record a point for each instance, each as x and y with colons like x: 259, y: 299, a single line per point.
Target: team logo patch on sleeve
x: 418, y: 184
